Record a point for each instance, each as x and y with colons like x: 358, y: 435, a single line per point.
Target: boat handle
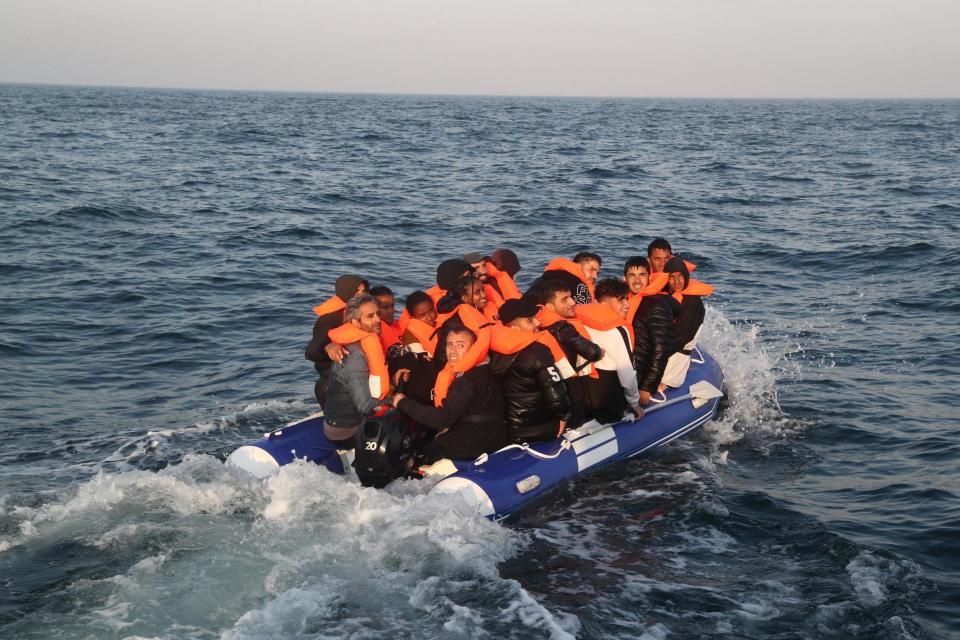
x: 564, y: 445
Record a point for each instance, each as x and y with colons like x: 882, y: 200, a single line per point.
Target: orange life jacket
x: 468, y: 314
x: 603, y: 318
x: 548, y: 317
x: 491, y: 311
x: 507, y: 340
x: 390, y: 334
x: 424, y: 333
x: 476, y: 354
x: 656, y: 284
x: 690, y: 265
x: 435, y: 293
x: 379, y: 380
x: 571, y: 267
x: 508, y: 288
x: 331, y: 305
x: 693, y: 288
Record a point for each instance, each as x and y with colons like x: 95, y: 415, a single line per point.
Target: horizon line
x: 466, y: 95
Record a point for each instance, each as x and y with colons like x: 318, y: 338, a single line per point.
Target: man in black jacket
x: 652, y: 330
x: 536, y: 397
x: 469, y: 420
x: 556, y: 317
x: 330, y: 316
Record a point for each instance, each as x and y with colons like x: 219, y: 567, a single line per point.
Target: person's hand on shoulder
x: 336, y: 352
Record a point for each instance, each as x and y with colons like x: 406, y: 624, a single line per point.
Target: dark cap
x: 449, y: 271
x: 506, y: 260
x: 473, y: 257
x: 522, y: 308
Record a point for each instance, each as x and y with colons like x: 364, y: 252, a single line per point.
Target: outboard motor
x: 385, y: 448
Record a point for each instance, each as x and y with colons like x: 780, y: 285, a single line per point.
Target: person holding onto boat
x: 359, y: 383
x: 530, y: 367
x: 330, y: 315
x: 615, y: 388
x: 686, y: 301
x: 467, y: 412
x: 558, y: 318
x: 651, y: 317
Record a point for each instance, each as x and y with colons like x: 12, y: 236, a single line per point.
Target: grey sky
x: 751, y: 48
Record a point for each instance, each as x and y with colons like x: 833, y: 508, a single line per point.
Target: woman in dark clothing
x: 469, y: 417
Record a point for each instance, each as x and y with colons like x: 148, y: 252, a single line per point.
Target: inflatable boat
x: 499, y: 483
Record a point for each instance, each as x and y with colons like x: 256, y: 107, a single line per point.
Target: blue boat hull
x: 513, y: 477
x: 502, y: 482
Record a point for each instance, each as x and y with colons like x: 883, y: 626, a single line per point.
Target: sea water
x: 161, y: 254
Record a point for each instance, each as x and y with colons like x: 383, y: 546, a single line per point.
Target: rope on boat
x: 564, y: 445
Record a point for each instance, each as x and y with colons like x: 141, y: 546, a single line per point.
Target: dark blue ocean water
x: 161, y: 252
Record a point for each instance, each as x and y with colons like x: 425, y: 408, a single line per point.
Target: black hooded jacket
x: 653, y: 340
x: 688, y: 316
x: 535, y: 394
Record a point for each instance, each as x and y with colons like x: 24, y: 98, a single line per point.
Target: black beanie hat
x: 347, y: 285
x: 677, y: 265
x: 449, y: 271
x: 523, y: 308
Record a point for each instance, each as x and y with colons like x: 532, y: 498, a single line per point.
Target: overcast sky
x: 709, y: 48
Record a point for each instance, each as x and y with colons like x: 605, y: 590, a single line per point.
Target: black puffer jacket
x: 535, y: 394
x: 572, y: 343
x: 470, y: 420
x: 687, y: 318
x: 653, y: 340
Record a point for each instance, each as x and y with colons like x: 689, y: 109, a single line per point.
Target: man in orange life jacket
x: 466, y: 290
x: 537, y: 405
x: 420, y: 307
x: 615, y: 388
x: 386, y: 308
x: 658, y: 252
x: 468, y: 407
x: 477, y: 262
x: 558, y: 318
x: 590, y: 263
x: 651, y: 317
x: 330, y: 315
x: 419, y: 341
x: 568, y: 272
x: 360, y: 382
x: 685, y: 298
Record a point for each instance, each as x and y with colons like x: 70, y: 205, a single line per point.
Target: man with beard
x: 330, y: 315
x: 360, y: 382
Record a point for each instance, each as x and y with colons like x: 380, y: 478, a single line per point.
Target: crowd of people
x: 483, y: 364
